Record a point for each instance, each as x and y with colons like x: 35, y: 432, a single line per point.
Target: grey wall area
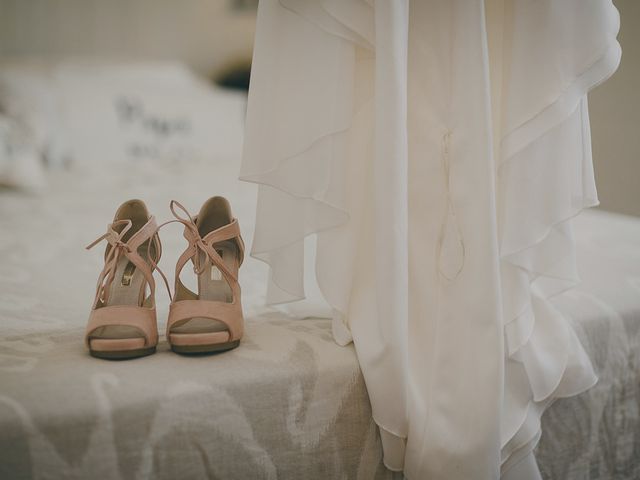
x: 614, y: 109
x: 206, y: 34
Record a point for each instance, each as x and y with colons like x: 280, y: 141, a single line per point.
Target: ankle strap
x: 230, y: 231
x: 117, y: 247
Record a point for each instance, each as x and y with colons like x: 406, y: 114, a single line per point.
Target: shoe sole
x: 200, y: 349
x: 123, y: 354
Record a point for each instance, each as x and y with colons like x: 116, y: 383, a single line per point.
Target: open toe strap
x: 228, y: 313
x: 142, y: 319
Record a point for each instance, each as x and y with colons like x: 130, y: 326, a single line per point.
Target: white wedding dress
x: 439, y: 150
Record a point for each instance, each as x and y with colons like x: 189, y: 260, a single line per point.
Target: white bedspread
x: 289, y: 403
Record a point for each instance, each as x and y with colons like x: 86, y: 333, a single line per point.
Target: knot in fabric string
x: 450, y: 272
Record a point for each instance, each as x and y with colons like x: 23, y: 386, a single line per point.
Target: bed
x: 289, y: 403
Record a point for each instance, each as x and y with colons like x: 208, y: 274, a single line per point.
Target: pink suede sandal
x: 210, y: 320
x: 122, y: 323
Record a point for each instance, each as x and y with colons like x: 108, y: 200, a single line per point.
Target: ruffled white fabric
x: 545, y: 178
x: 439, y: 151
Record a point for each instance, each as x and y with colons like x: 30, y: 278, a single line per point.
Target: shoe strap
x: 197, y: 244
x: 142, y: 319
x: 117, y: 248
x: 228, y: 313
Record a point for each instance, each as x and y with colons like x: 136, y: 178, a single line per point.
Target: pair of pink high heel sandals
x: 122, y: 323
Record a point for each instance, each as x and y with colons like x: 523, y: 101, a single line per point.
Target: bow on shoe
x: 113, y: 254
x: 197, y: 243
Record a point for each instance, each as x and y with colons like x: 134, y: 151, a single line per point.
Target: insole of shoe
x: 212, y: 286
x: 129, y: 287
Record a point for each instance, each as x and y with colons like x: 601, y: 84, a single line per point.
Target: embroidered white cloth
x: 439, y: 150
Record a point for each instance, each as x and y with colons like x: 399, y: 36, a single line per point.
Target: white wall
x: 205, y: 33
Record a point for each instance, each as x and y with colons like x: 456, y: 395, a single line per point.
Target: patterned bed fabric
x: 289, y: 403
